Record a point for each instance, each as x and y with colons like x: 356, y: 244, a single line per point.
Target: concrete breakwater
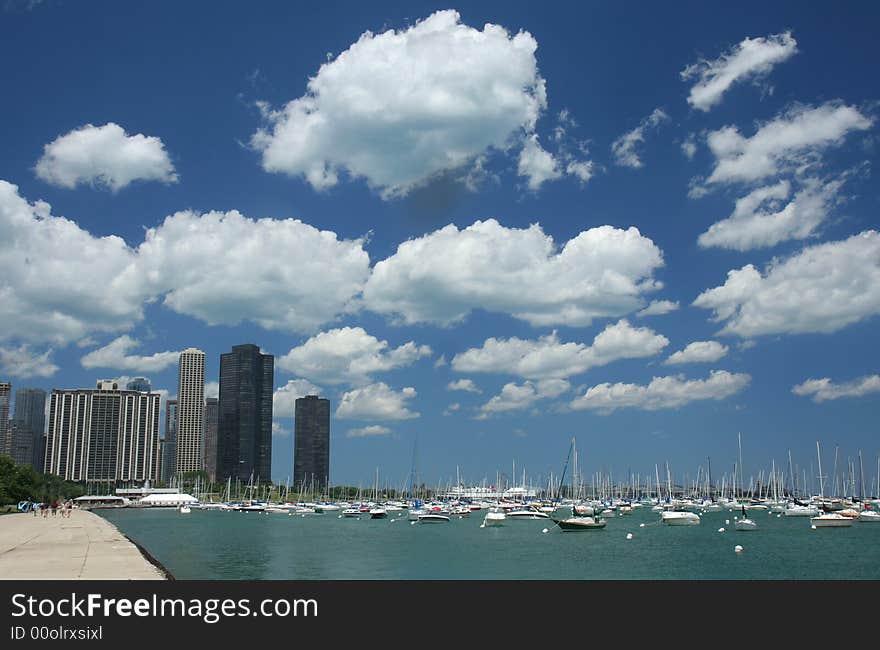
x: 83, y: 546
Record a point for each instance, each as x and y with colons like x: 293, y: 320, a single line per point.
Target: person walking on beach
x: 54, y: 507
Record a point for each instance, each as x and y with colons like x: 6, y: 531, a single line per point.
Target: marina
x: 256, y: 545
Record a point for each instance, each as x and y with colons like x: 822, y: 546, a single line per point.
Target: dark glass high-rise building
x: 29, y: 425
x: 5, y: 440
x: 140, y: 384
x: 244, y: 426
x: 212, y: 412
x: 169, y: 449
x: 311, y: 453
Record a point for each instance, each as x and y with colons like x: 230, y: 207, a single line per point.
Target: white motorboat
x: 495, y: 517
x: 527, y: 513
x: 679, y: 518
x: 378, y: 513
x: 351, y: 512
x: 432, y: 518
x: 184, y: 509
x: 579, y: 523
x: 869, y: 516
x: 795, y: 510
x: 831, y: 520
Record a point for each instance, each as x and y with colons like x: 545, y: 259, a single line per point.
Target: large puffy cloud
x: 548, y: 357
x: 399, y: 107
x: 698, y: 352
x: 223, y: 268
x: 116, y: 355
x: 104, y: 155
x: 284, y: 398
x: 58, y: 281
x: 821, y: 390
x: 376, y: 402
x: 516, y: 397
x: 662, y: 393
x: 749, y: 59
x: 821, y: 289
x: 442, y: 276
x: 624, y: 148
x: 791, y: 141
x: 760, y: 220
x: 23, y: 362
x: 348, y: 355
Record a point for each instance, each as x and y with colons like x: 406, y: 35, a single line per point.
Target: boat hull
x: 579, y: 523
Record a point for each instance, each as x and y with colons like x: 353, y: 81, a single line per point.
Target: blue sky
x: 484, y: 149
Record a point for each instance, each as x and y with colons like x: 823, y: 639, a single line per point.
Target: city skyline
x: 478, y: 231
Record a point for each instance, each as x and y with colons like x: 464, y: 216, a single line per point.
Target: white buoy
x: 338, y: 516
x: 412, y: 523
x: 721, y: 530
x: 545, y: 530
x: 641, y: 525
x: 813, y: 526
x: 629, y: 535
x: 738, y: 548
x: 727, y: 522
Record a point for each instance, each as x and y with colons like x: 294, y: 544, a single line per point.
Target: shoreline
x: 84, y: 546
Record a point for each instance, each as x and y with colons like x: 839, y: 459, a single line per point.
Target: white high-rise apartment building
x: 190, y: 410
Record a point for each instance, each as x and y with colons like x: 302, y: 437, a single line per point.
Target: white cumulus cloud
x: 104, y: 155
x: 821, y: 390
x: 225, y: 268
x: 760, y: 219
x: 376, y: 402
x: 658, y: 308
x: 284, y: 398
x: 662, y: 393
x: 444, y: 275
x: 23, y: 362
x: 792, y: 141
x: 348, y: 355
x: 548, y: 357
x: 537, y: 164
x: 624, y: 147
x: 749, y: 59
x: 402, y: 106
x: 823, y: 289
x: 516, y: 397
x: 59, y: 282
x: 371, y: 430
x: 699, y: 352
x: 466, y: 385
x: 116, y: 355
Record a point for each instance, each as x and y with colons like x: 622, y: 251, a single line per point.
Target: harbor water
x: 229, y: 545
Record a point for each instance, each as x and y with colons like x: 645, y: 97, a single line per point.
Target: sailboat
x: 577, y: 521
x: 865, y: 516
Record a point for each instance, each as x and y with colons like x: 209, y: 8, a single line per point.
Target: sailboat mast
x: 821, y: 478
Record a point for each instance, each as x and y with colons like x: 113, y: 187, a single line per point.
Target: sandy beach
x: 82, y: 547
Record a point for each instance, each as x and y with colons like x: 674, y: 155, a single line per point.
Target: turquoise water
x: 248, y: 546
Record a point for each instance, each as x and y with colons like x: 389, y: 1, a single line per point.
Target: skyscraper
x: 169, y: 451
x: 140, y: 384
x: 190, y: 411
x: 103, y: 434
x: 211, y: 420
x: 5, y: 442
x: 244, y: 428
x: 311, y: 455
x: 29, y: 423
